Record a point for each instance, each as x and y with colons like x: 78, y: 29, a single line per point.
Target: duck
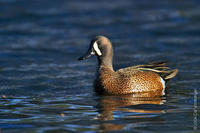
x: 146, y: 80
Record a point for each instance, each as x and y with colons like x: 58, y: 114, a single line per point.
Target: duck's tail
x: 160, y: 68
x: 170, y: 74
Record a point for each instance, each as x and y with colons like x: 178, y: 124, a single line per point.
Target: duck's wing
x: 157, y: 67
x: 160, y: 68
x: 150, y: 65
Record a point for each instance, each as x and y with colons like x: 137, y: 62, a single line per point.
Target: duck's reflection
x: 133, y: 103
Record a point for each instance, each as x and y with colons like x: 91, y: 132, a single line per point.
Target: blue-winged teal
x: 149, y: 78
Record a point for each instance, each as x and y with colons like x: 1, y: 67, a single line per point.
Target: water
x: 44, y: 88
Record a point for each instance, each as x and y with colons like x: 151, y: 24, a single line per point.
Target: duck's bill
x: 87, y: 55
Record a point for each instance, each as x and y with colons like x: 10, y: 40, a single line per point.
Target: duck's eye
x: 96, y: 48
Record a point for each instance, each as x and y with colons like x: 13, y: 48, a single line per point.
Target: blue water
x: 43, y: 88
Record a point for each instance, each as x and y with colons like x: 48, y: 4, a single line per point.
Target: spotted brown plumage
x: 148, y: 78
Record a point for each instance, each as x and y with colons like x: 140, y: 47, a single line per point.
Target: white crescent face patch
x: 96, y: 48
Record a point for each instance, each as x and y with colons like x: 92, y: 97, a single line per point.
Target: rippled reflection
x: 109, y: 104
x: 134, y: 107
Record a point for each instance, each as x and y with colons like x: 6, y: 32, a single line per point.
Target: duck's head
x: 101, y: 47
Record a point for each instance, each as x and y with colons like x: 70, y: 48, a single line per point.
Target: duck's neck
x: 106, y: 60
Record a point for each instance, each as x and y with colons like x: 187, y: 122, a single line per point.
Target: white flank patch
x: 163, y: 84
x: 96, y: 48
